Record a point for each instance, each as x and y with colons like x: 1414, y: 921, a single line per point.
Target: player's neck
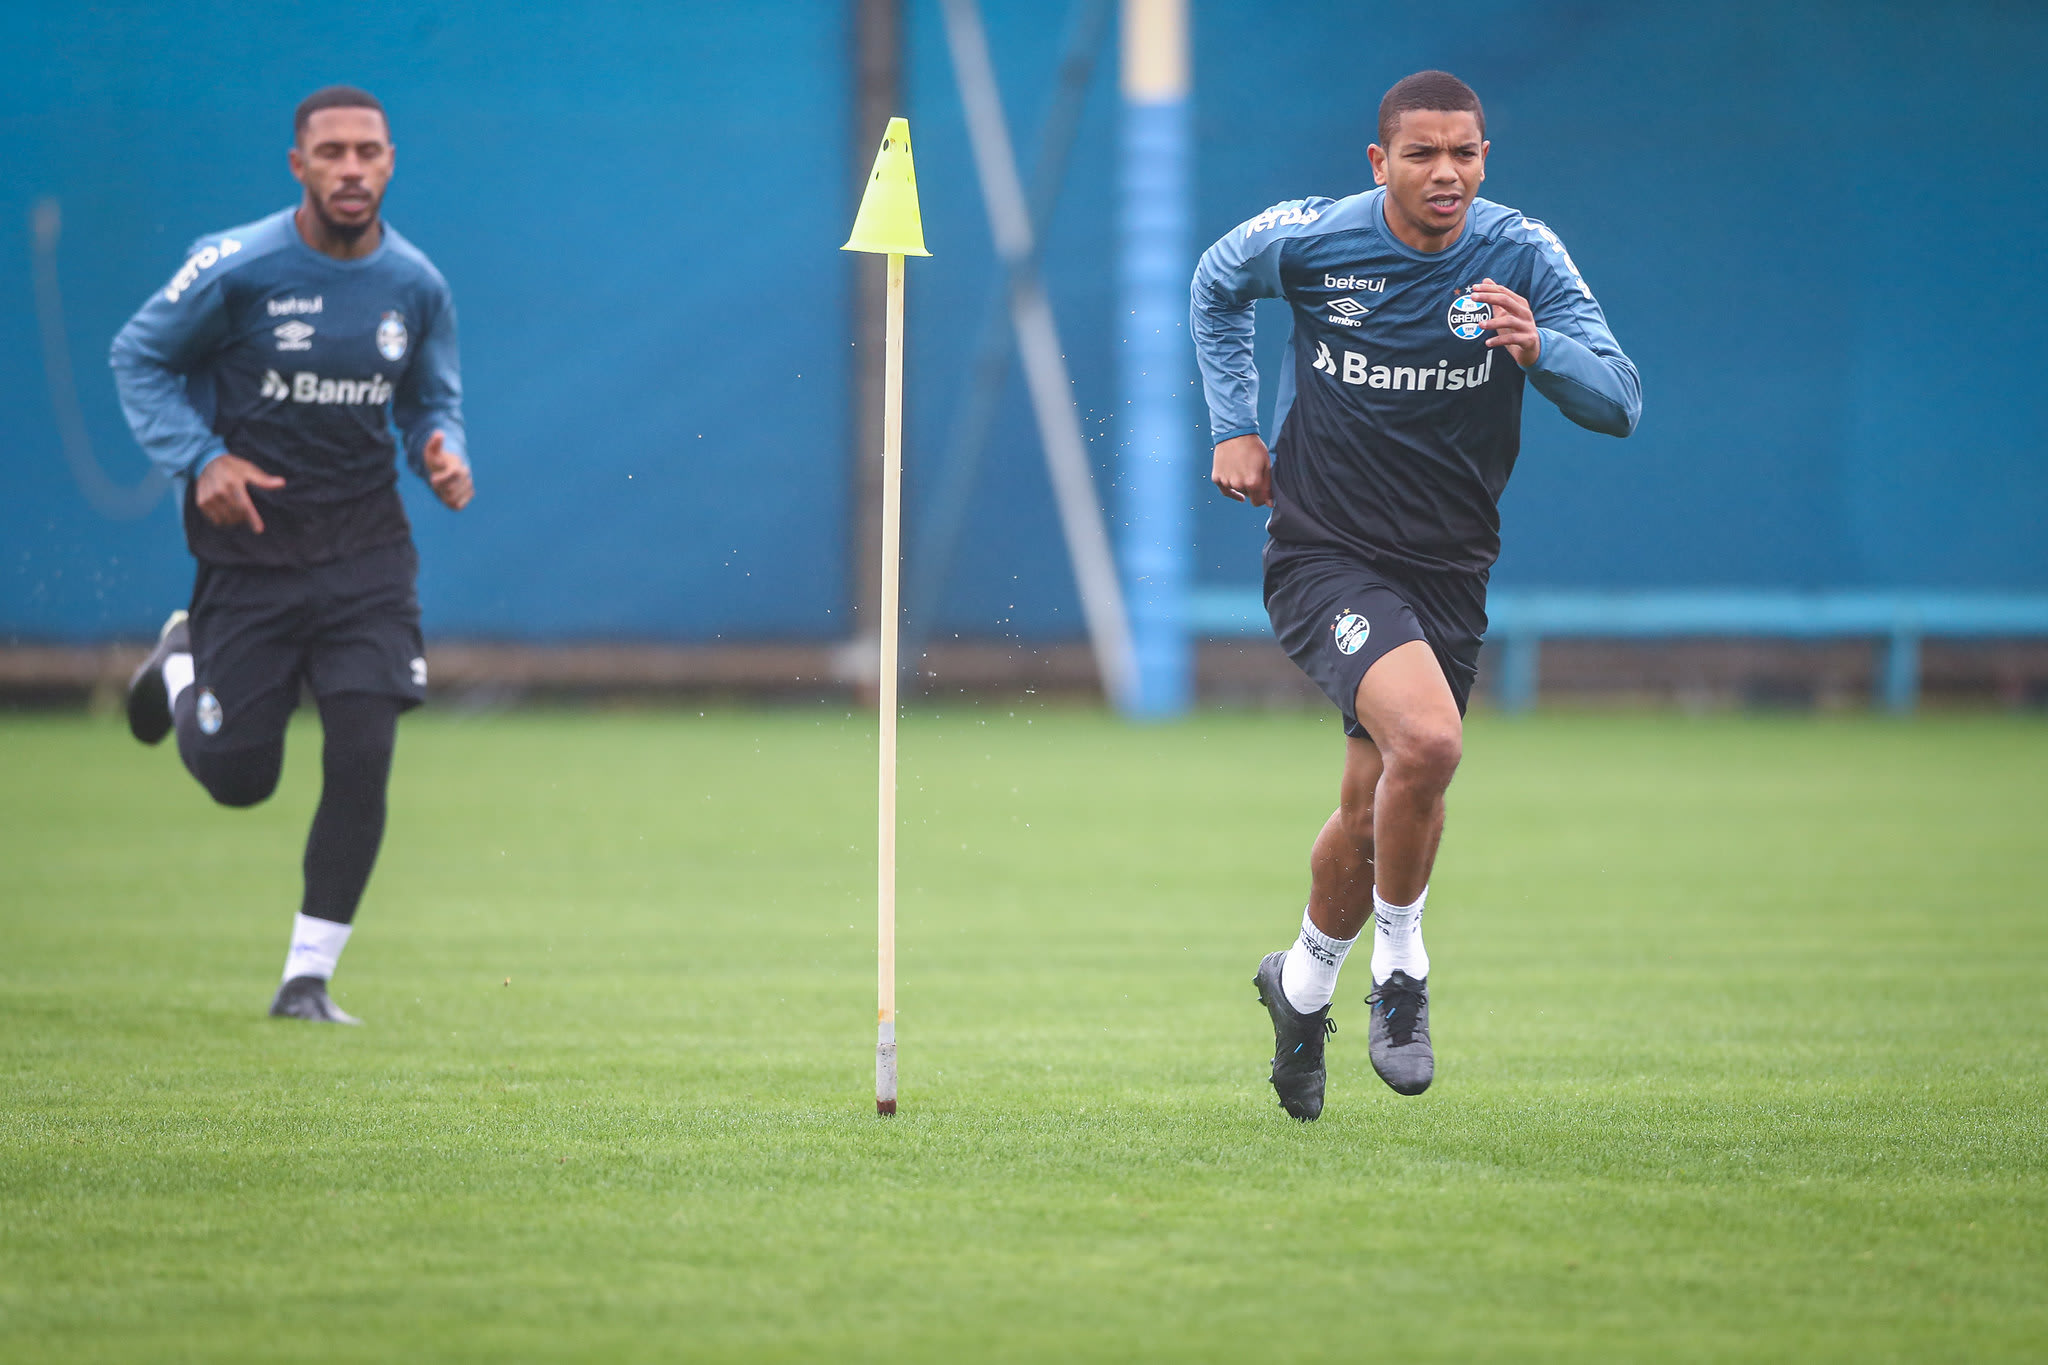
x: 315, y: 233
x: 1413, y: 237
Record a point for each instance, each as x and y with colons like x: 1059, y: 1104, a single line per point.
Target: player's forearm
x: 1228, y: 280
x: 166, y: 425
x: 1600, y: 392
x: 1223, y: 354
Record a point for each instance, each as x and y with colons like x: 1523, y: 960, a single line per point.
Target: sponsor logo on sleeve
x: 204, y: 259
x: 1552, y: 241
x: 1351, y: 632
x: 1465, y: 316
x: 1280, y: 215
x: 391, y: 337
x: 293, y: 335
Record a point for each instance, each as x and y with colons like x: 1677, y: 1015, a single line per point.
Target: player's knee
x: 240, y: 777
x: 1354, y: 814
x: 1427, y: 754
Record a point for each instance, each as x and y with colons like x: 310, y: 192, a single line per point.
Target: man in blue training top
x: 266, y: 376
x: 1419, y: 312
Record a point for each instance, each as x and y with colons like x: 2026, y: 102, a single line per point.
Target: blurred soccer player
x: 266, y: 375
x: 1419, y: 311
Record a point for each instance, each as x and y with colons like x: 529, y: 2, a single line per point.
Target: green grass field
x: 1742, y: 1027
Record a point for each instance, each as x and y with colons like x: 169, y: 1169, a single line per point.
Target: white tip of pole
x: 885, y: 1067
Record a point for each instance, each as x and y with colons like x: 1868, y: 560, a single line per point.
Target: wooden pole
x: 892, y: 538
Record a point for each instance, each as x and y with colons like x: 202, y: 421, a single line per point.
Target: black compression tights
x: 355, y: 763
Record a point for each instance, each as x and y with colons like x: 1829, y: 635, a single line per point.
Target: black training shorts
x: 259, y: 633
x: 1336, y: 616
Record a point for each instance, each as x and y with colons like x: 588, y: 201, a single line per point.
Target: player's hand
x: 1512, y: 324
x: 1243, y: 471
x: 448, y: 473
x: 223, y: 492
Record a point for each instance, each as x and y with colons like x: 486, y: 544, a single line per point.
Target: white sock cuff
x: 1323, y: 947
x: 1381, y: 905
x: 1397, y: 938
x: 316, y: 947
x: 177, y: 675
x: 1389, y: 917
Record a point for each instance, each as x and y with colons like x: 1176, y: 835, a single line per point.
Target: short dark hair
x: 1437, y: 91
x: 336, y: 97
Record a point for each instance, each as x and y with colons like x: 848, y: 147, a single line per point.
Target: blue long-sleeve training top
x: 1397, y: 425
x: 299, y: 363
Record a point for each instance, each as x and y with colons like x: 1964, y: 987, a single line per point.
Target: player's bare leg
x: 1406, y: 705
x: 1341, y: 863
x: 1295, y: 985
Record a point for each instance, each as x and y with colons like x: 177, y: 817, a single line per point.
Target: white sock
x: 1308, y: 978
x: 1397, y: 939
x: 177, y: 675
x: 316, y: 947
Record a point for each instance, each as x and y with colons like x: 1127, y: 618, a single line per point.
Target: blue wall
x: 639, y: 210
x: 1811, y: 225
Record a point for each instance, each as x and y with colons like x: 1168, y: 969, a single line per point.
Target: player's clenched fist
x: 448, y: 473
x: 1243, y: 471
x: 223, y: 492
x: 1513, y: 324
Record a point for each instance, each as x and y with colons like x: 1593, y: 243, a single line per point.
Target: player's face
x: 344, y: 160
x: 1432, y: 172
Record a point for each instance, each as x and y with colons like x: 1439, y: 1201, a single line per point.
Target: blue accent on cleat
x: 1399, y: 1036
x: 1298, y: 1073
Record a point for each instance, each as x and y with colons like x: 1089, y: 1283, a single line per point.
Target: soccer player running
x: 266, y: 375
x: 1419, y: 311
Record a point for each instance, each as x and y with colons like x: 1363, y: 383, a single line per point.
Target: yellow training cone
x: 888, y: 222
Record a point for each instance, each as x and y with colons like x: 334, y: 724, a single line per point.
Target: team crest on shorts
x: 207, y: 712
x: 1466, y: 315
x: 391, y: 337
x: 1351, y: 631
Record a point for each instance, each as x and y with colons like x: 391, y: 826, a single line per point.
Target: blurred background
x: 1811, y: 225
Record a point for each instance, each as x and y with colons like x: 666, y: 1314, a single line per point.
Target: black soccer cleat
x: 1298, y: 1072
x: 149, y: 700
x: 1399, y: 1037
x: 305, y: 997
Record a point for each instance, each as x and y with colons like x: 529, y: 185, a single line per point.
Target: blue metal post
x: 1156, y: 481
x: 1902, y: 670
x: 1521, y: 664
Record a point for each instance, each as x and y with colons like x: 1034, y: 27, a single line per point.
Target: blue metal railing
x: 1521, y: 621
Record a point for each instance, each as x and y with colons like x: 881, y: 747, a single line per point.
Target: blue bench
x: 1521, y: 621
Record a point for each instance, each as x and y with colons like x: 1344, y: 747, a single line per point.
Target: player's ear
x: 1377, y: 155
x: 297, y: 161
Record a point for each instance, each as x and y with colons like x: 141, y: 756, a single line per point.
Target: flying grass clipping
x: 889, y: 224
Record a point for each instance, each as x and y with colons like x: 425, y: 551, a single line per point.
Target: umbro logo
x: 1347, y: 312
x: 293, y: 336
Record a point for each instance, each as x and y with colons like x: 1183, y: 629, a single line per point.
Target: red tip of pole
x: 885, y: 1107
